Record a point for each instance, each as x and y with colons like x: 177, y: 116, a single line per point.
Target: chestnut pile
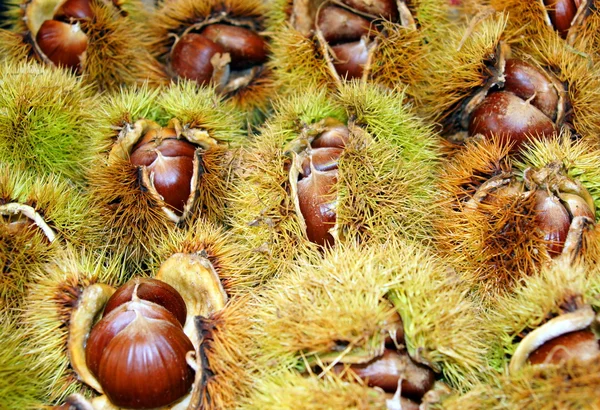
x: 317, y: 177
x: 138, y: 350
x: 61, y: 39
x: 527, y: 104
x: 218, y: 52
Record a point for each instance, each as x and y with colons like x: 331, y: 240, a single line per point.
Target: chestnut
x: 335, y: 136
x: 137, y: 352
x: 350, y: 59
x: 317, y: 199
x: 63, y: 43
x: 509, y: 117
x: 191, y: 55
x: 387, y: 370
x: 245, y: 47
x: 171, y: 161
x: 339, y: 25
x: 552, y: 219
x: 74, y: 9
x: 526, y: 81
x: 379, y: 8
x: 581, y: 344
x: 152, y: 290
x: 322, y: 159
x: 562, y: 13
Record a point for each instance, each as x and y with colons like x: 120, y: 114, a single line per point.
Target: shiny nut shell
x: 339, y: 25
x: 144, y: 366
x: 245, y: 47
x: 74, y: 9
x: 317, y: 198
x: 190, y: 57
x: 110, y: 325
x: 525, y: 81
x: 336, y: 136
x: 172, y: 166
x: 350, y: 59
x: 380, y: 8
x: 62, y: 43
x: 511, y: 118
x: 322, y: 159
x: 152, y: 290
x: 553, y: 220
x: 582, y: 345
x: 386, y: 371
x: 561, y: 13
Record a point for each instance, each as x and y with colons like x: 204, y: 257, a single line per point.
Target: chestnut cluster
x: 562, y: 13
x: 316, y: 181
x: 525, y: 106
x: 138, y: 350
x: 61, y: 39
x: 348, y: 28
x: 171, y: 162
x: 198, y: 54
x: 394, y: 370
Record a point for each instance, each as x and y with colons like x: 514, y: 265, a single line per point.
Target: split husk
x: 385, y: 182
x: 138, y: 217
x: 117, y: 52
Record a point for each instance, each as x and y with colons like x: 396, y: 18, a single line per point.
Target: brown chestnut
x: 144, y: 365
x: 114, y: 322
x: 171, y: 160
x: 526, y: 81
x: 335, y: 136
x: 511, y: 118
x: 317, y: 198
x: 63, y: 43
x: 387, y: 370
x: 581, y: 344
x: 152, y: 290
x: 322, y: 159
x: 380, y: 8
x: 245, y: 47
x: 74, y: 9
x: 552, y: 219
x: 561, y: 13
x: 191, y: 55
x: 350, y: 59
x: 339, y: 25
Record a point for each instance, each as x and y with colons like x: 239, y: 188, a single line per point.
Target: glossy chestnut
x: 191, y: 55
x: 392, y: 367
x: 582, y: 345
x: 317, y: 200
x: 171, y: 161
x: 561, y: 13
x: 322, y: 159
x: 379, y: 8
x: 63, y: 43
x: 552, y: 219
x: 245, y: 47
x: 526, y: 81
x: 350, y: 59
x: 335, y: 136
x: 74, y: 9
x: 339, y: 25
x: 151, y: 290
x: 137, y: 352
x: 511, y: 118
